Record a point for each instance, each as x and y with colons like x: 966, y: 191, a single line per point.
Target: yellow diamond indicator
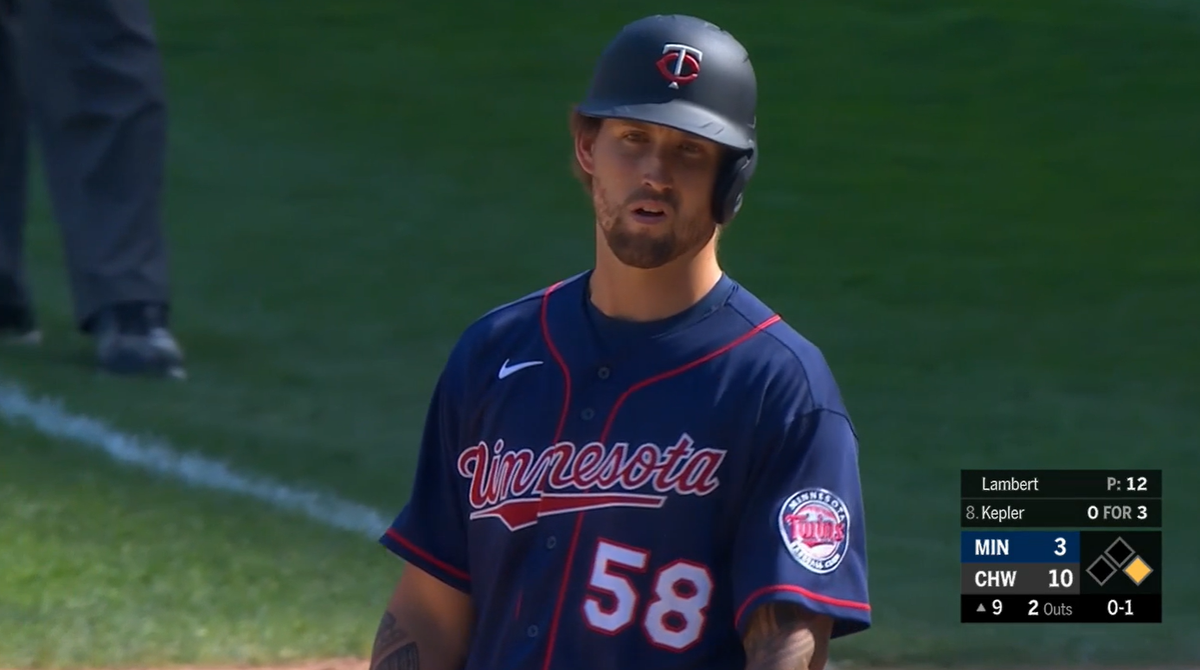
x: 1138, y: 571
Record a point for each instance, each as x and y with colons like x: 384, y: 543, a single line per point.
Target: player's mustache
x: 668, y: 198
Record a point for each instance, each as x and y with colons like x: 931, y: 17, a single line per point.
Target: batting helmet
x: 688, y: 74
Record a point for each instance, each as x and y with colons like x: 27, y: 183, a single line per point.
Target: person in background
x: 85, y: 78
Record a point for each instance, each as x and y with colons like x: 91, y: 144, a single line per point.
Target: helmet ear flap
x: 732, y: 177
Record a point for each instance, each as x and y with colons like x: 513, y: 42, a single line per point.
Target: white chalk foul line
x: 48, y: 417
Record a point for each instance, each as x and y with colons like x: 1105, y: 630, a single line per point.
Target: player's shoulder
x: 799, y: 372
x: 499, y: 328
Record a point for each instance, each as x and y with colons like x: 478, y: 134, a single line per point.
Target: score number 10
x: 1058, y: 578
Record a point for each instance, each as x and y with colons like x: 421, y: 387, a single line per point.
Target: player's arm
x: 427, y: 625
x: 786, y: 636
x: 799, y: 564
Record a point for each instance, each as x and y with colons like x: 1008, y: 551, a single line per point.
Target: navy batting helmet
x: 684, y: 73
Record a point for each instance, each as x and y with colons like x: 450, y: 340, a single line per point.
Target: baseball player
x: 85, y: 79
x: 641, y: 466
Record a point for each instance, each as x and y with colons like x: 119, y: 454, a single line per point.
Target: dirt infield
x: 327, y: 664
x: 361, y: 664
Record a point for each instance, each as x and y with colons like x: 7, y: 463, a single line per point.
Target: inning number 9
x: 1060, y: 546
x: 997, y: 606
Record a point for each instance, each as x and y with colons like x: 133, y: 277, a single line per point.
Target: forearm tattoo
x: 779, y: 638
x: 394, y: 648
x: 404, y: 658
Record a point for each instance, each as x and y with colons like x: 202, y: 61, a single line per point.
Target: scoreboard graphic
x: 1061, y: 546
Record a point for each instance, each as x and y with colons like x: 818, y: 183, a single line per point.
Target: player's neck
x: 634, y: 294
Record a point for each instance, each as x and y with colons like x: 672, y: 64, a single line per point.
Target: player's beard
x: 648, y: 247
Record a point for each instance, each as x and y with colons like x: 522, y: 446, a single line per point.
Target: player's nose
x: 656, y: 171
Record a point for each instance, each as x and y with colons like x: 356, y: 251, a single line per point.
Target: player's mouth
x: 649, y: 212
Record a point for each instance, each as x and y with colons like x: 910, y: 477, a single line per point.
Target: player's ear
x: 585, y: 148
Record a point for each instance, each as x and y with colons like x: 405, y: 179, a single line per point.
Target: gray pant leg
x: 97, y: 92
x: 14, y: 165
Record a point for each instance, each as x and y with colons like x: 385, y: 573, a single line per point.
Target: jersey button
x: 587, y: 414
x: 603, y: 373
x: 532, y: 631
x: 551, y: 542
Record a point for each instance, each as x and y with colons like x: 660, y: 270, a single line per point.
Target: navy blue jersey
x: 618, y: 495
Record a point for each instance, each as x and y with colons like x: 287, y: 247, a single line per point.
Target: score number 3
x: 674, y: 618
x: 1058, y: 578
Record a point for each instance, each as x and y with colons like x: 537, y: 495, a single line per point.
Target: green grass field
x: 984, y: 211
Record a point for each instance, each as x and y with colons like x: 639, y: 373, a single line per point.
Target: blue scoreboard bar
x: 1020, y: 546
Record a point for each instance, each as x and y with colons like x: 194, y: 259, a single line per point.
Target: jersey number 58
x: 675, y: 615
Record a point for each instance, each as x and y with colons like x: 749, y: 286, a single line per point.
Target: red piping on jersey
x: 562, y: 365
x: 612, y: 415
x: 788, y: 588
x: 562, y: 591
x: 562, y: 423
x: 442, y: 565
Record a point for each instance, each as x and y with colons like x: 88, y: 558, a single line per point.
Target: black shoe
x: 17, y: 326
x: 133, y: 339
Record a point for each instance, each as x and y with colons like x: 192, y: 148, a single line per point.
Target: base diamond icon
x: 1119, y: 551
x: 1101, y: 570
x: 1138, y: 570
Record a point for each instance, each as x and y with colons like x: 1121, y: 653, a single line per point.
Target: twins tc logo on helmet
x: 680, y: 64
x: 815, y: 526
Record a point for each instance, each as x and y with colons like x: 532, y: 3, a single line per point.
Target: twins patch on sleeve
x: 815, y: 527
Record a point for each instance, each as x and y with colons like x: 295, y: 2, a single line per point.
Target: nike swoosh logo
x: 506, y: 369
